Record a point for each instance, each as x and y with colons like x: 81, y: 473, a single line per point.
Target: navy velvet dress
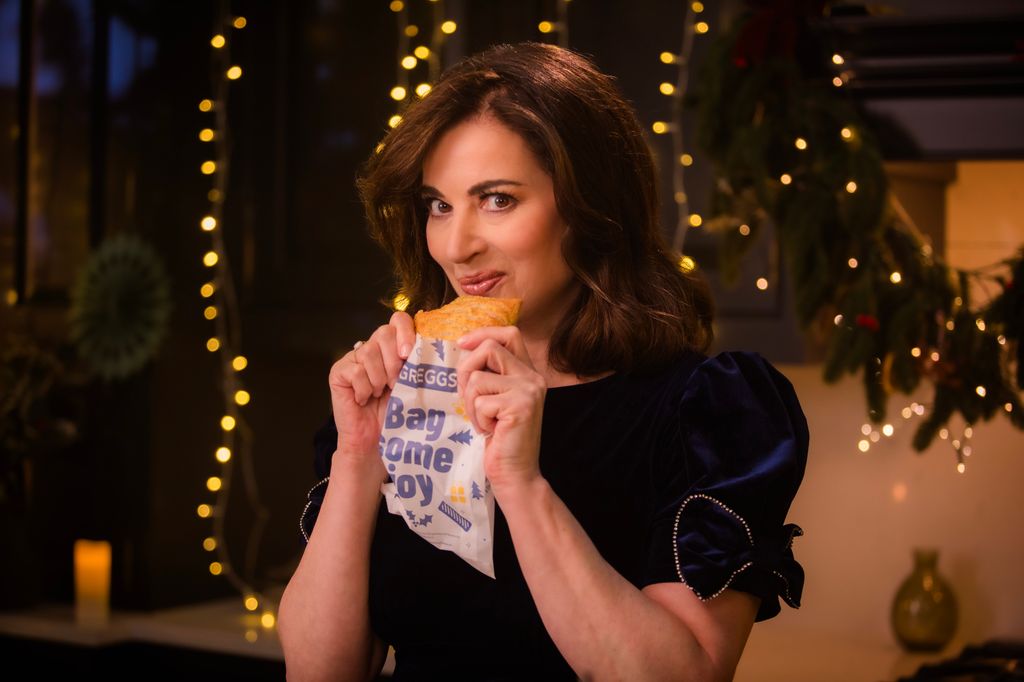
x: 683, y: 476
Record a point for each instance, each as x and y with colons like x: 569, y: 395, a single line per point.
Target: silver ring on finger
x: 357, y: 345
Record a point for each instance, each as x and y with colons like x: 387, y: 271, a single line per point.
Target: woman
x: 641, y: 487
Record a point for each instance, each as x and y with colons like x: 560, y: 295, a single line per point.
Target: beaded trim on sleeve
x: 309, y: 503
x: 745, y: 566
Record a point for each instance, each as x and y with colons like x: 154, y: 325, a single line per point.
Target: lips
x: 480, y: 283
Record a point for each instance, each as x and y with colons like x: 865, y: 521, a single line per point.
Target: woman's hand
x: 504, y: 399
x: 361, y: 384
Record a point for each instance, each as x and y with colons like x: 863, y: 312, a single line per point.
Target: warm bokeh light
x: 980, y: 390
x: 687, y: 264
x: 659, y: 127
x: 234, y: 73
x: 208, y: 168
x: 545, y: 27
x: 204, y: 511
x: 213, y: 483
x: 837, y: 59
x: 206, y: 291
x: 422, y: 52
x: 667, y: 58
x: 701, y: 27
x: 846, y: 133
x: 213, y: 344
x: 213, y: 195
x: 696, y: 220
x: 394, y: 121
x: 762, y: 283
x: 837, y: 81
x: 686, y: 159
x: 915, y: 351
x: 216, y: 568
x: 239, y: 363
x: 210, y: 544
x: 223, y: 454
x: 412, y: 30
x: 449, y: 27
x: 422, y: 89
x: 400, y: 302
x: 239, y: 22
x: 851, y: 187
x: 242, y: 397
x: 218, y: 41
x: 252, y: 603
x: 786, y: 178
x: 895, y: 278
x: 666, y: 88
x: 396, y: 5
x: 267, y: 620
x: 208, y: 223
x: 206, y: 105
x: 227, y: 422
x: 800, y: 143
x: 398, y: 93
x: 210, y: 312
x: 210, y: 258
x: 864, y: 445
x: 697, y: 7
x: 409, y: 62
x: 744, y: 230
x: 852, y: 263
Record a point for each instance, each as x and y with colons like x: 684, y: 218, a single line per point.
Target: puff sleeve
x: 736, y: 460
x: 324, y: 443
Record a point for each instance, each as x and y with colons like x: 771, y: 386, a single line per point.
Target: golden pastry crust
x: 465, y: 314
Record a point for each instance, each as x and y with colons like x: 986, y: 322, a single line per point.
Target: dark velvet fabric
x: 686, y: 475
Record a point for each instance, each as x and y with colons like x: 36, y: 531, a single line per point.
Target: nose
x: 463, y: 239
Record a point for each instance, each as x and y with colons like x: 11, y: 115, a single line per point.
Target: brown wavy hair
x: 636, y: 309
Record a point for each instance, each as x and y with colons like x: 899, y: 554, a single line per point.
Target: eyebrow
x: 478, y: 188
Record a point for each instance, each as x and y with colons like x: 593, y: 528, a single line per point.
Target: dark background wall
x: 115, y: 150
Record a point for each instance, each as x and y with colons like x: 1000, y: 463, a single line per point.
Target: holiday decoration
x: 789, y: 147
x: 120, y: 306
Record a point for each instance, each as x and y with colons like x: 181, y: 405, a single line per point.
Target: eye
x: 498, y: 201
x: 435, y: 206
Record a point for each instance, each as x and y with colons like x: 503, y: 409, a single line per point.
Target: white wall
x: 864, y: 512
x: 860, y: 529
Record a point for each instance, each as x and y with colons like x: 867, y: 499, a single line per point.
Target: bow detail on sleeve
x: 714, y: 546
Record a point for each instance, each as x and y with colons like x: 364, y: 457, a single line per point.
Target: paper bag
x: 435, y: 458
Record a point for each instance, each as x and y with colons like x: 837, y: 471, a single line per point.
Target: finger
x: 509, y: 336
x: 489, y: 355
x: 348, y: 374
x: 370, y: 356
x: 481, y: 383
x: 487, y: 408
x: 406, y: 332
x: 386, y: 337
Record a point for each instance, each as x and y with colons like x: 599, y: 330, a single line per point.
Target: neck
x: 537, y: 348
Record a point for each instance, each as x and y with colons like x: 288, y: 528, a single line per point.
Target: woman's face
x: 492, y: 223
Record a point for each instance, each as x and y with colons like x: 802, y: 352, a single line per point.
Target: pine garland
x: 789, y: 147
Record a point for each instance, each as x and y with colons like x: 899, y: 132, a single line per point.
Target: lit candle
x: 92, y: 582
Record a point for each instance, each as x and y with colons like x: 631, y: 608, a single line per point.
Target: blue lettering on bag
x: 433, y: 377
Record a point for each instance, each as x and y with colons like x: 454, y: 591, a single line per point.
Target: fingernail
x: 406, y: 349
x: 461, y: 340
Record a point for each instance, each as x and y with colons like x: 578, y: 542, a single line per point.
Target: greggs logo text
x: 432, y: 377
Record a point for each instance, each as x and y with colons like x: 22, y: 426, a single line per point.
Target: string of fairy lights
x: 694, y: 25
x: 870, y: 435
x: 220, y: 306
x: 410, y: 62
